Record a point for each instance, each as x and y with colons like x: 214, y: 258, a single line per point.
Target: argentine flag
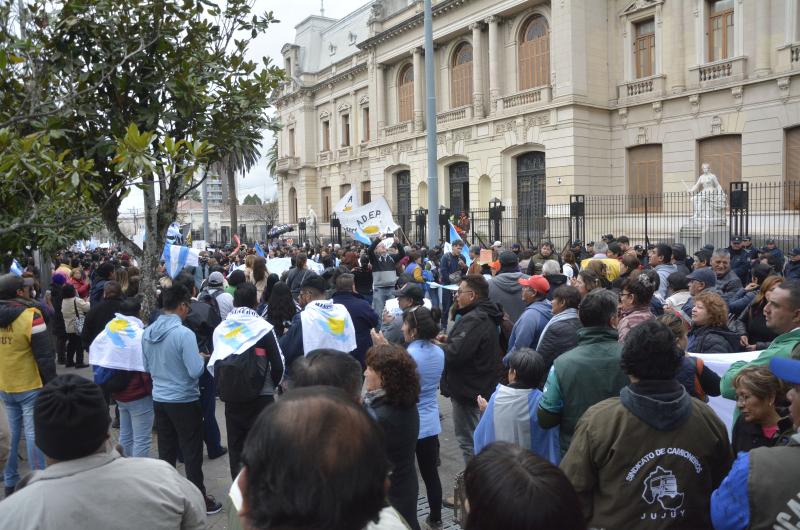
x: 16, y: 268
x: 259, y: 250
x: 361, y: 237
x: 464, y: 250
x: 177, y: 257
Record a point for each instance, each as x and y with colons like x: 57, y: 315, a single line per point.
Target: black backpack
x: 240, y: 378
x: 211, y: 299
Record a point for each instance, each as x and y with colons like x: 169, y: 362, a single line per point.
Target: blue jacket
x: 530, y: 325
x: 730, y: 503
x: 449, y: 265
x: 364, y: 319
x: 172, y: 359
x: 792, y: 270
x: 292, y: 341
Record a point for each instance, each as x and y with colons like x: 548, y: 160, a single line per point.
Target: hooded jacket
x: 531, y: 324
x: 712, y: 339
x: 28, y: 361
x: 173, y: 360
x: 364, y: 319
x: 472, y: 353
x: 504, y: 289
x: 96, y: 294
x: 653, y: 454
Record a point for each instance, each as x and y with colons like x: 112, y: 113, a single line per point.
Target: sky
x: 290, y: 13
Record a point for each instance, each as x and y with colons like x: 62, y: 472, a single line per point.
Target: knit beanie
x: 59, y: 279
x: 70, y: 418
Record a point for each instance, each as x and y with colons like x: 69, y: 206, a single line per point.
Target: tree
x: 252, y: 199
x: 147, y: 93
x: 272, y: 159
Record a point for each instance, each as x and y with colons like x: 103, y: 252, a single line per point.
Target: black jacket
x: 364, y: 320
x: 401, y: 428
x: 560, y: 337
x: 747, y: 436
x: 472, y: 353
x: 58, y: 327
x: 555, y: 281
x: 709, y: 339
x: 202, y: 320
x: 100, y: 314
x: 96, y: 293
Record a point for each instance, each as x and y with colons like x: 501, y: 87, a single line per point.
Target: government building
x: 537, y: 101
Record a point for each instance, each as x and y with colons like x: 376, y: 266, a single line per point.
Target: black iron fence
x: 761, y: 211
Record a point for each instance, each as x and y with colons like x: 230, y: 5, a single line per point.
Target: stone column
x: 477, y: 68
x: 676, y: 76
x: 762, y: 39
x: 495, y: 82
x: 419, y: 99
x: 380, y: 103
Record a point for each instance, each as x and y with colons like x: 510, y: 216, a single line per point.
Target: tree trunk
x: 233, y: 201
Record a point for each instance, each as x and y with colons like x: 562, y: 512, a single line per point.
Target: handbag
x: 79, y: 318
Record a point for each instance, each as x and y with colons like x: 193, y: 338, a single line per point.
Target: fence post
x: 496, y: 210
x: 336, y: 229
x: 577, y: 217
x: 421, y: 220
x: 301, y: 230
x: 646, y: 227
x: 444, y: 224
x: 740, y: 214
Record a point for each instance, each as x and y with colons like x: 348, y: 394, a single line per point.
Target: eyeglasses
x: 460, y: 292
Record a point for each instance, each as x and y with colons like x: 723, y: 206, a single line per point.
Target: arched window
x: 461, y: 77
x: 405, y: 93
x: 534, y: 53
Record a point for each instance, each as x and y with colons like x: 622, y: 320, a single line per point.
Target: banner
x: 176, y: 258
x: 279, y: 265
x: 719, y: 364
x: 372, y: 218
x: 199, y: 245
x: 346, y: 203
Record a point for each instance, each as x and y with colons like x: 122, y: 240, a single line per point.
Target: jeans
x: 19, y: 408
x: 379, y: 297
x: 74, y: 349
x: 136, y: 426
x: 427, y: 455
x: 180, y: 425
x: 433, y: 295
x: 239, y: 419
x: 447, y: 301
x: 208, y: 401
x: 465, y: 421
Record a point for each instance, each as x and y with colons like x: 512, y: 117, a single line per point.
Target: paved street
x: 217, y: 476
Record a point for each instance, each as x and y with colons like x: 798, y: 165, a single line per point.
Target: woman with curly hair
x: 710, y: 332
x: 634, y: 303
x: 392, y: 393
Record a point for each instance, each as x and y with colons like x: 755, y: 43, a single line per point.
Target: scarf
x: 119, y: 345
x: 327, y: 325
x: 564, y: 315
x: 239, y: 332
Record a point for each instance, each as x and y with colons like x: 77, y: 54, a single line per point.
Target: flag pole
x: 430, y: 128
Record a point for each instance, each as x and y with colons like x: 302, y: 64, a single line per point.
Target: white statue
x: 311, y: 220
x: 708, y: 200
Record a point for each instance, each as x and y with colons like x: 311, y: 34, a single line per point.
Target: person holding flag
x: 454, y: 264
x: 384, y: 270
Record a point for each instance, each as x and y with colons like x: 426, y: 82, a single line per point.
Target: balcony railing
x: 287, y: 163
x: 448, y: 116
x: 722, y: 71
x: 344, y: 152
x: 400, y: 128
x: 528, y: 97
x: 641, y: 88
x: 325, y: 156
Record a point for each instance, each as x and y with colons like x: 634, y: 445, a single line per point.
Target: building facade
x: 537, y: 100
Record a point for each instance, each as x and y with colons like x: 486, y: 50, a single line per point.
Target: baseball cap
x: 497, y: 244
x: 608, y: 237
x: 577, y: 243
x: 747, y: 238
x: 508, y: 258
x: 638, y: 247
x: 411, y: 290
x: 770, y: 241
x: 705, y: 275
x: 537, y: 283
x: 515, y: 246
x: 786, y: 369
x: 795, y: 251
x: 736, y: 239
x: 215, y: 279
x: 590, y: 244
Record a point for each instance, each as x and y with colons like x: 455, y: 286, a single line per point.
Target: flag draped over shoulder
x: 119, y: 345
x: 240, y: 331
x: 327, y: 325
x: 177, y: 257
x: 511, y: 417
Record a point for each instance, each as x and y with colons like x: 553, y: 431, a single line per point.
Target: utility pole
x: 430, y: 128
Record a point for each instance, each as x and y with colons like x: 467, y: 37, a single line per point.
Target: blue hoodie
x: 172, y: 359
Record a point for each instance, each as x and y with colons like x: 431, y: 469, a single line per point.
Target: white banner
x: 719, y: 364
x: 372, y: 218
x: 346, y: 203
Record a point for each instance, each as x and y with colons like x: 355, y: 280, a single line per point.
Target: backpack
x: 111, y: 380
x: 240, y: 378
x: 506, y: 327
x: 210, y: 298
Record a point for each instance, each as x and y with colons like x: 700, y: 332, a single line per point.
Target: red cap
x: 537, y: 283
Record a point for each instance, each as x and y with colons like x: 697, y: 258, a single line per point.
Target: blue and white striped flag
x: 464, y: 250
x: 177, y: 257
x: 259, y: 250
x: 16, y: 268
x: 361, y: 237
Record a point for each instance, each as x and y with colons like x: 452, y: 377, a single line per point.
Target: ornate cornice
x: 410, y: 23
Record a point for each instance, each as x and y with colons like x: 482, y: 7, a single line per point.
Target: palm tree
x: 272, y: 158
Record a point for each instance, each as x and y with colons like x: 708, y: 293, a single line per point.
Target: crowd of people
x: 576, y: 393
